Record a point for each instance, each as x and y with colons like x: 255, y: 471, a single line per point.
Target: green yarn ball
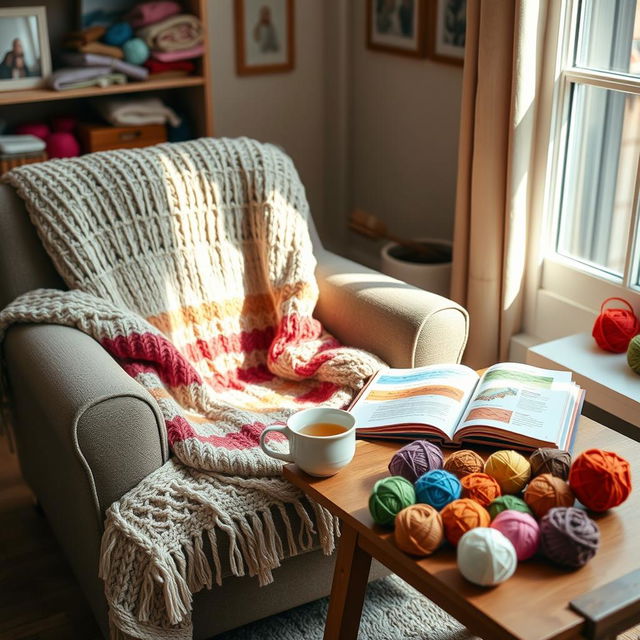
x: 633, y: 354
x: 508, y: 502
x: 389, y: 497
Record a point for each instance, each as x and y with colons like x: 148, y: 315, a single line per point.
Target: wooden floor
x: 39, y: 597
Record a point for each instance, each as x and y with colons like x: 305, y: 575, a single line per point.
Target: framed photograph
x: 25, y: 58
x: 102, y: 13
x: 264, y: 36
x: 397, y: 26
x: 448, y: 27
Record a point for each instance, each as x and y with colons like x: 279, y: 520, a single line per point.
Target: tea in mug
x: 323, y: 429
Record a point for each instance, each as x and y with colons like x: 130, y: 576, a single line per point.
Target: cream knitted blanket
x: 192, y: 265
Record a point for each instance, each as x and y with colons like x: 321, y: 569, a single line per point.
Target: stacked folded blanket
x: 133, y: 112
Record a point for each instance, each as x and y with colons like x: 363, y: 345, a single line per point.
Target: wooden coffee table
x: 541, y: 601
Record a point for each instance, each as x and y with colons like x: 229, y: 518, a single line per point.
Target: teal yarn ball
x: 135, y: 51
x: 508, y: 503
x: 389, y: 497
x: 633, y: 354
x: 438, y: 488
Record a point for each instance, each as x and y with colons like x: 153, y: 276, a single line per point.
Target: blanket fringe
x: 170, y: 579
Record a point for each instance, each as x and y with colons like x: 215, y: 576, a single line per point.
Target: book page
x: 435, y: 395
x: 521, y: 399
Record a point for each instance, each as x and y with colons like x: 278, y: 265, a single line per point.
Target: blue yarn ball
x: 438, y: 488
x: 117, y: 34
x: 135, y: 51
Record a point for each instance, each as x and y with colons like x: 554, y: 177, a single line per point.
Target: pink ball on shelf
x: 521, y: 529
x: 38, y: 129
x: 62, y: 145
x: 64, y: 124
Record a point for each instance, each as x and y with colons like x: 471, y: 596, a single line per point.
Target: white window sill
x: 609, y: 382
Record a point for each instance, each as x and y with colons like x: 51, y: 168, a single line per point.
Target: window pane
x: 609, y: 36
x: 599, y: 177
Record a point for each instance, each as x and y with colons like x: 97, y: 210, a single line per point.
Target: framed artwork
x: 25, y: 58
x: 265, y: 40
x: 447, y: 33
x: 102, y: 13
x: 397, y: 26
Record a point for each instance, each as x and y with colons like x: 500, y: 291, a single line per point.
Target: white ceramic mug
x: 316, y: 455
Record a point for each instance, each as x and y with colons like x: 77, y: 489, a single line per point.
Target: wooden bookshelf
x: 191, y: 93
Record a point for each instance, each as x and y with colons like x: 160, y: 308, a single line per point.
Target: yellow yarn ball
x: 511, y: 469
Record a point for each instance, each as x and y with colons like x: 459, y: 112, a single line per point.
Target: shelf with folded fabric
x: 46, y: 95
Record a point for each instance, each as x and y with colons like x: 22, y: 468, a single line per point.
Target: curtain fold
x: 503, y: 59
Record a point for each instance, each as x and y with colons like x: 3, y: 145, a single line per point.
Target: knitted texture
x: 192, y: 265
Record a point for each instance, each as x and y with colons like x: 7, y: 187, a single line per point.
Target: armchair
x: 72, y: 403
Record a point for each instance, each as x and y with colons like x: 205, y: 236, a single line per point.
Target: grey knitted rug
x: 392, y: 611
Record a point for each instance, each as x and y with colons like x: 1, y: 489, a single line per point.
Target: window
x: 592, y: 245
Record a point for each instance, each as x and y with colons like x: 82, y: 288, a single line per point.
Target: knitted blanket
x: 192, y: 265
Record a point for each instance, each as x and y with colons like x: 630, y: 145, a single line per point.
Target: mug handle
x: 287, y: 457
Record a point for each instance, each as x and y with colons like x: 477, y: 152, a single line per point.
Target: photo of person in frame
x: 13, y: 64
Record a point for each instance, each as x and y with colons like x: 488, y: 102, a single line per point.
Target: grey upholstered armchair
x: 72, y: 403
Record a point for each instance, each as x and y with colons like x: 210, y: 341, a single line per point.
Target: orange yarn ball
x: 418, y: 530
x: 480, y: 487
x: 460, y: 516
x: 614, y: 328
x: 463, y: 462
x: 545, y: 492
x: 600, y: 479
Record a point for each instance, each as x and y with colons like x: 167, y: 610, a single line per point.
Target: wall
x: 404, y: 123
x: 284, y: 108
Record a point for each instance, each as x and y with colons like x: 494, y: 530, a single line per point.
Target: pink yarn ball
x: 521, y: 529
x: 62, y: 145
x: 37, y: 129
x: 64, y: 124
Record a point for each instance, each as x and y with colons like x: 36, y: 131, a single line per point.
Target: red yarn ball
x: 614, y: 328
x: 62, y: 145
x: 600, y: 479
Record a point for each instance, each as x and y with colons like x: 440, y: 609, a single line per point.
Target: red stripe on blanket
x: 292, y: 330
x: 243, y: 342
x: 170, y: 365
x: 178, y: 430
x: 323, y: 392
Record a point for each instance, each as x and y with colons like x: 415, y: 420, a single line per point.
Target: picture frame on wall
x: 448, y: 22
x: 397, y: 26
x: 265, y: 37
x: 25, y: 57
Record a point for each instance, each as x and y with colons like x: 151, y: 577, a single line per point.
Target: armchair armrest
x: 403, y: 325
x: 72, y: 398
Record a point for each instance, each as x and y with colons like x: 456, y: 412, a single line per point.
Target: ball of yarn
x: 117, y: 34
x: 135, y: 51
x: 486, y: 557
x: 511, y: 469
x: 418, y: 530
x: 464, y: 462
x: 614, y: 328
x: 633, y: 354
x: 568, y: 536
x: 61, y: 144
x: 389, y: 497
x: 600, y: 479
x: 508, y: 502
x: 545, y: 492
x: 66, y: 124
x: 462, y: 515
x: 521, y: 529
x: 437, y: 488
x: 415, y: 459
x: 554, y: 461
x: 480, y: 487
x: 37, y: 129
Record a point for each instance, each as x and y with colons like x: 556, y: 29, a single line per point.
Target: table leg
x: 348, y: 589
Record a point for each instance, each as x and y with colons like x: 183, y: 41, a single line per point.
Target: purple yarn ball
x: 568, y: 536
x: 415, y: 459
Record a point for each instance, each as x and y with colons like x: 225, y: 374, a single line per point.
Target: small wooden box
x: 97, y: 137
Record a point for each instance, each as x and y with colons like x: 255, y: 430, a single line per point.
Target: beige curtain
x: 504, y: 44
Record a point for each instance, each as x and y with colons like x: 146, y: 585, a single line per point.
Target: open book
x: 511, y: 404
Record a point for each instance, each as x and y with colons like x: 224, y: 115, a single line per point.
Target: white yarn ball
x: 486, y: 556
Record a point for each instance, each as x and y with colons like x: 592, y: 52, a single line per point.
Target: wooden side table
x: 535, y: 604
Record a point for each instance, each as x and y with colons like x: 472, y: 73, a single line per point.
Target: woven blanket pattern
x: 192, y: 265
